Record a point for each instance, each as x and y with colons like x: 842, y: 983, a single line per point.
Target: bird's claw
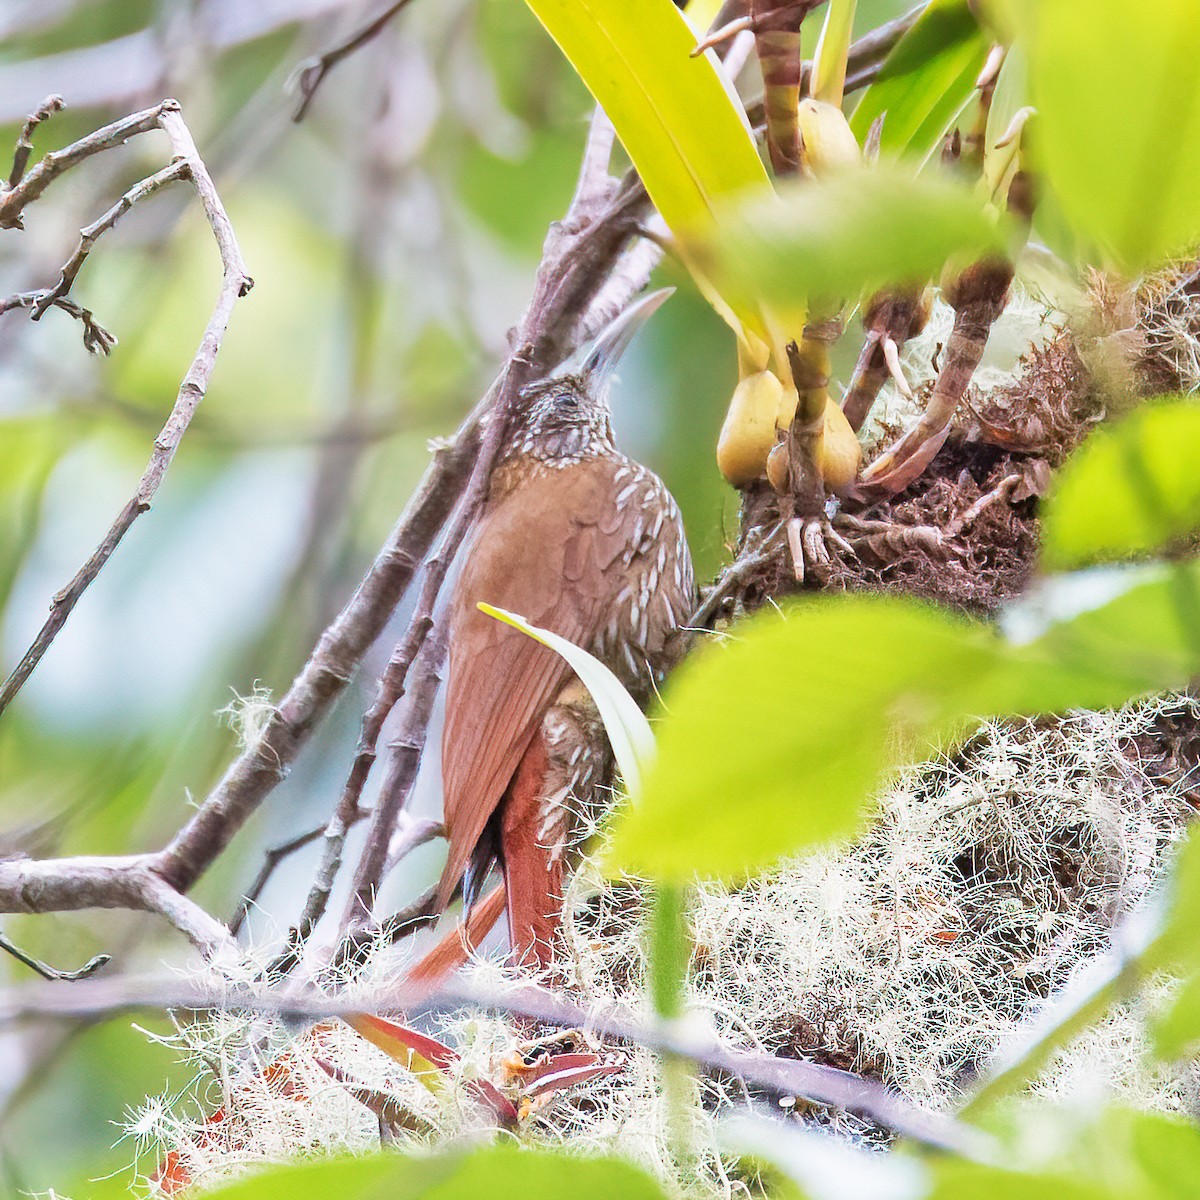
x: 809, y: 541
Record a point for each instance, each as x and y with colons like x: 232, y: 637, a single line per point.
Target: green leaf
x: 828, y: 81
x: 684, y: 130
x: 956, y: 1178
x: 681, y: 124
x: 1165, y: 1152
x: 774, y: 739
x: 1131, y: 488
x: 1119, y: 633
x: 777, y: 738
x: 854, y: 231
x: 626, y: 725
x: 1118, y: 129
x: 497, y: 1172
x: 925, y: 81
x: 1177, y: 1032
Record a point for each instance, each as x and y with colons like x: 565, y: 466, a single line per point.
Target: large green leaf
x: 956, y: 1178
x: 856, y: 230
x: 1131, y: 488
x: 681, y: 125
x: 776, y: 738
x: 925, y: 81
x: 1118, y: 129
x: 496, y: 1172
x: 685, y: 132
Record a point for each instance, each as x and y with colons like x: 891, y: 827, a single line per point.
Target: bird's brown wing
x: 549, y: 550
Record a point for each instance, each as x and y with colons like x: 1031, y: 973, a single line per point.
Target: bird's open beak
x: 597, y: 361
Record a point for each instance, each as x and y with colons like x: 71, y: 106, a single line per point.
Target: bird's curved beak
x: 597, y: 361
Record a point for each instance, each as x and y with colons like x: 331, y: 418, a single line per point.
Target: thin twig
x: 273, y: 856
x: 758, y: 551
x: 14, y: 200
x: 24, y: 147
x: 235, y: 284
x: 89, y: 235
x: 96, y: 339
x: 46, y: 971
x: 797, y: 1077
x: 309, y: 75
x: 402, y: 773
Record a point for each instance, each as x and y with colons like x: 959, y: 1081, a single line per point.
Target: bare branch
x: 310, y: 74
x: 65, y: 884
x: 271, y: 860
x: 186, y: 163
x: 13, y: 200
x: 812, y: 1081
x: 89, y: 235
x: 398, y: 783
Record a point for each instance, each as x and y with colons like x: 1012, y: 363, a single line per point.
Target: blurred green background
x: 393, y: 237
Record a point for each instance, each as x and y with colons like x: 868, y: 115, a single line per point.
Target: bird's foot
x: 813, y: 542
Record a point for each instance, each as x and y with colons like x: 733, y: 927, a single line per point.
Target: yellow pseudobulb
x: 841, y: 453
x: 829, y: 143
x: 749, y: 430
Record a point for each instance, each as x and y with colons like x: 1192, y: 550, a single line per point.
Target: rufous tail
x: 453, y: 950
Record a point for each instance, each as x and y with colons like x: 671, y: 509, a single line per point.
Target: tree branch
x: 186, y: 163
x: 812, y: 1081
x: 65, y: 884
x: 24, y: 147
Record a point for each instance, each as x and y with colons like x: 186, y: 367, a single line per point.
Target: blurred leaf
x: 1165, y: 1152
x: 776, y: 739
x: 496, y: 1172
x: 954, y: 1179
x: 925, y: 81
x: 855, y: 231
x: 1131, y: 488
x: 1179, y: 948
x: 626, y: 725
x: 678, y: 119
x: 1118, y: 129
x: 1120, y: 634
x: 1177, y: 1031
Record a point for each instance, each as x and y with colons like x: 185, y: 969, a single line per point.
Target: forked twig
x: 310, y: 74
x: 186, y: 163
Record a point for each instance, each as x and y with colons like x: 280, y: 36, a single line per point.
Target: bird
x: 583, y: 541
